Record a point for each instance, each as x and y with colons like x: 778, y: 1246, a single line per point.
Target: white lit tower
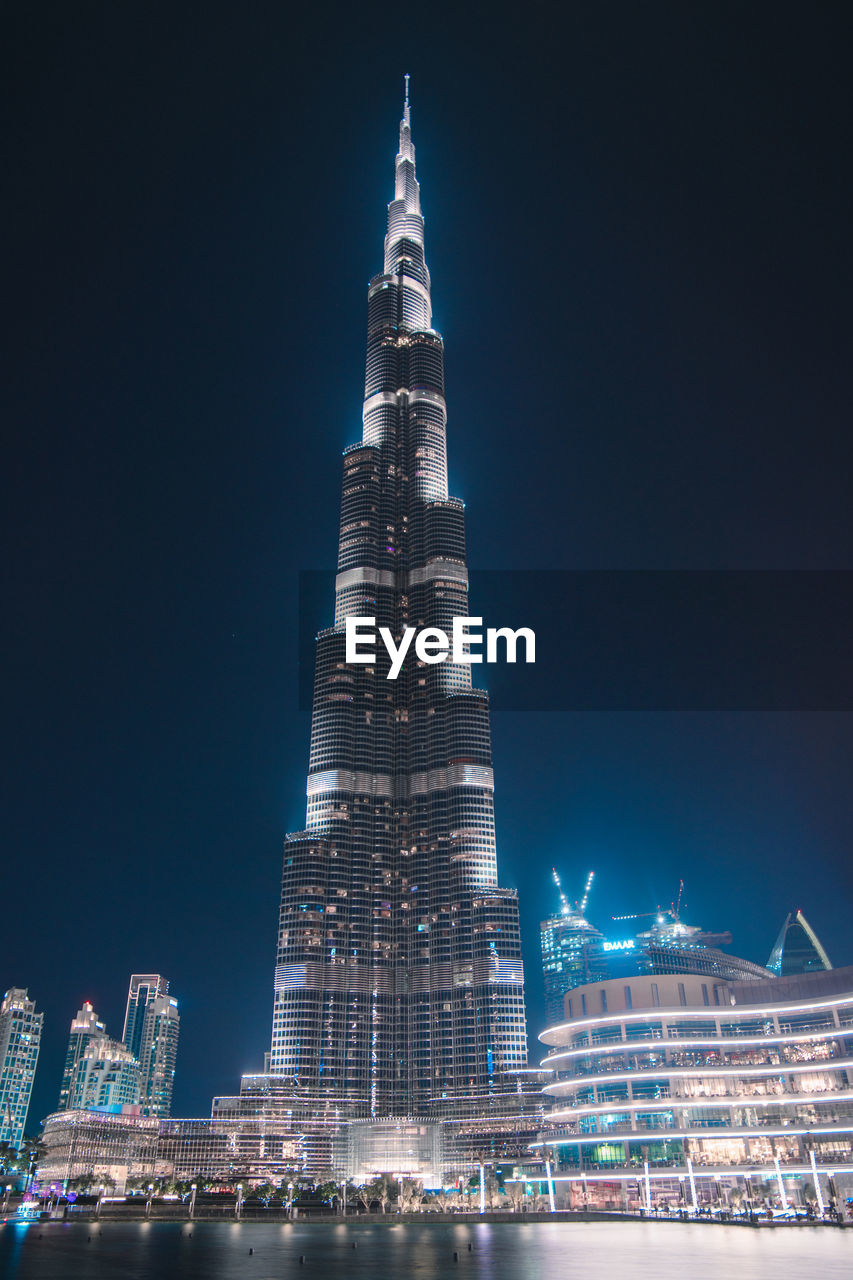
x: 399, y: 986
x: 86, y: 1028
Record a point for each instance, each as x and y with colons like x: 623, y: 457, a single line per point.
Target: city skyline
x: 172, y: 398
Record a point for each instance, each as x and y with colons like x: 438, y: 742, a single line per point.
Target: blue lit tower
x: 797, y: 949
x: 20, y: 1038
x: 398, y: 985
x: 572, y: 951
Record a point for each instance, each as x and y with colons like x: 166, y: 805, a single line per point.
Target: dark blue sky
x: 638, y: 231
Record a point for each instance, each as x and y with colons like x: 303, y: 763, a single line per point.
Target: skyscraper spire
x: 406, y: 150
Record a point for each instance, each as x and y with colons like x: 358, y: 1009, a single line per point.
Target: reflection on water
x: 499, y: 1251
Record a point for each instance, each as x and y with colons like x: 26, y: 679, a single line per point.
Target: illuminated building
x: 797, y: 949
x: 408, y: 1145
x: 106, y: 1077
x: 682, y: 1089
x: 228, y: 1151
x: 575, y: 952
x: 82, y: 1146
x: 20, y: 1038
x: 572, y: 953
x: 398, y: 986
x: 671, y: 946
x: 151, y: 1028
x: 85, y: 1027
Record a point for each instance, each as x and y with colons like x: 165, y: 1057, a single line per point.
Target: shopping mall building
x: 691, y: 1091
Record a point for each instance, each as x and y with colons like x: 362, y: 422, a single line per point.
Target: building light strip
x: 681, y: 1171
x: 702, y: 1072
x: 721, y: 1101
x: 620, y: 1046
x: 677, y: 1014
x: 677, y: 1135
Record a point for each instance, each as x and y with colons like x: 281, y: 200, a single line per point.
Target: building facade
x: 152, y: 1024
x: 572, y: 954
x: 248, y: 1151
x: 85, y: 1027
x: 398, y: 984
x: 20, y: 1039
x: 690, y: 1090
x: 106, y: 1078
x: 83, y: 1147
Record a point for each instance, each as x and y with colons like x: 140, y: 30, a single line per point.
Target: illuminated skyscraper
x: 151, y: 1028
x: 85, y: 1028
x: 106, y: 1077
x: 20, y: 1038
x: 398, y: 986
x: 572, y: 954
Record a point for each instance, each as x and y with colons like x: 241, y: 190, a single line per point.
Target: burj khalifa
x: 398, y: 979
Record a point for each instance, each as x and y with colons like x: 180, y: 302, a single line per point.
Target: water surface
x: 500, y: 1251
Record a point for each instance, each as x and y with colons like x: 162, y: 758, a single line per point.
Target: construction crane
x: 565, y: 906
x: 676, y: 906
x: 564, y: 902
x: 673, y: 910
x: 587, y: 887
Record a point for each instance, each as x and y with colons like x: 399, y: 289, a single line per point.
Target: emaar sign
x: 626, y: 944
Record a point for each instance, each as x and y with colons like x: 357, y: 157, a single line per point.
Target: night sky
x: 638, y: 228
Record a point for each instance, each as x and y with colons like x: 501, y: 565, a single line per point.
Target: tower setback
x: 398, y: 983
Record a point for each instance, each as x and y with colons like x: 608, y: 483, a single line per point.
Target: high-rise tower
x: 20, y: 1038
x: 85, y: 1028
x: 398, y: 986
x: 152, y: 1025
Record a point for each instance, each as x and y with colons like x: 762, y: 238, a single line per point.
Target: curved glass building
x: 690, y: 1090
